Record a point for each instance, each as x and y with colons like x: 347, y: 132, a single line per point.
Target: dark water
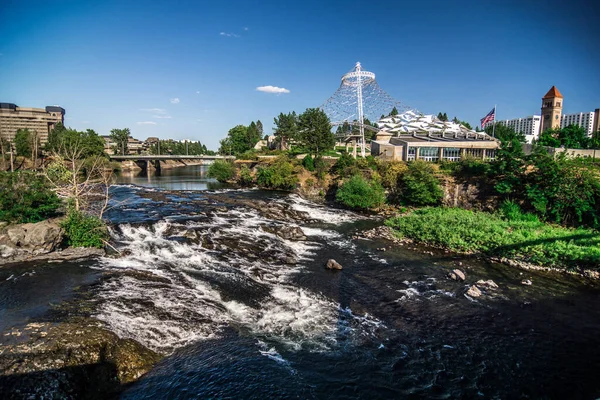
x: 243, y: 313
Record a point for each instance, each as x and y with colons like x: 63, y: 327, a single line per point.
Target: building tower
x: 551, y: 109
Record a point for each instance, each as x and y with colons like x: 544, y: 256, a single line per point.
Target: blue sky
x: 190, y: 69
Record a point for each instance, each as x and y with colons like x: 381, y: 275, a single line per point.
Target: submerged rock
x: 526, y: 282
x: 332, y: 264
x: 489, y: 284
x: 457, y: 275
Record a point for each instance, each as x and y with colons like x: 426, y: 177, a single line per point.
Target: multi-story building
x: 38, y: 120
x: 585, y: 120
x: 529, y: 126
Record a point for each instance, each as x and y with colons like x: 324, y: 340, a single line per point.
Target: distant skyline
x: 194, y: 69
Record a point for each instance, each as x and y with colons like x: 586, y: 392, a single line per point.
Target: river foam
x: 182, y: 281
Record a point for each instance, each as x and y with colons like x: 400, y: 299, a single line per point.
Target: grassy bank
x: 508, y: 233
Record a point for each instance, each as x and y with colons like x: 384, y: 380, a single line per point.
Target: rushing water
x: 242, y: 313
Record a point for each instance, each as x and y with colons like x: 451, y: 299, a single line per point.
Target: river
x: 206, y: 279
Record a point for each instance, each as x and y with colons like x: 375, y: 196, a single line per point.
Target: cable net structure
x: 358, y: 97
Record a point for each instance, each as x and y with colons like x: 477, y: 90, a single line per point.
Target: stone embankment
x: 41, y: 241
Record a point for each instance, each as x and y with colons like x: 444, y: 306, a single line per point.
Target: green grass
x: 518, y: 236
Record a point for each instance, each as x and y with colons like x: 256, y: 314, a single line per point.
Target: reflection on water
x: 192, y: 177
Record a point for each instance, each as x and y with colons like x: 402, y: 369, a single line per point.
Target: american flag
x: 491, y: 116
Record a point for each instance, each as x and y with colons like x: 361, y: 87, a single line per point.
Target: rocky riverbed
x: 228, y: 293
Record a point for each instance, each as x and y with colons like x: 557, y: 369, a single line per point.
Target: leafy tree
x: 69, y: 143
x: 466, y: 124
x: 240, y: 139
x: 509, y: 164
x: 23, y: 142
x: 570, y: 137
x: 314, y: 130
x: 286, y: 129
x: 359, y: 193
x: 121, y: 138
x: 419, y: 185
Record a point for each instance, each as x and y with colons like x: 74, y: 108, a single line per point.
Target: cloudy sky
x: 194, y: 69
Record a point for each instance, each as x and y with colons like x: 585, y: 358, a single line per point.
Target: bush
x: 358, y: 193
x: 221, y: 170
x: 320, y: 167
x: 245, y: 176
x: 308, y: 163
x: 517, y: 236
x: 25, y: 197
x: 344, y: 164
x: 279, y: 175
x: 419, y: 185
x: 83, y: 230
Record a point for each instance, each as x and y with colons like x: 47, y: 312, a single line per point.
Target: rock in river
x: 291, y: 233
x: 457, y: 275
x: 332, y: 264
x: 474, y: 291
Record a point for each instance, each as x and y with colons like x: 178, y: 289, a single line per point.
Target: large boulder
x: 39, y: 238
x: 474, y: 291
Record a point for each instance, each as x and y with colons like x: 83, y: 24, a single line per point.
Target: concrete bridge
x: 147, y: 161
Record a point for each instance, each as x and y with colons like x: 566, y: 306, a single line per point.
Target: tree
x: 442, y: 117
x: 121, y: 138
x: 570, y: 137
x: 359, y: 193
x: 259, y: 127
x: 466, y: 124
x: 23, y: 142
x: 394, y: 112
x: 314, y: 130
x: 509, y: 164
x: 286, y: 129
x: 239, y: 139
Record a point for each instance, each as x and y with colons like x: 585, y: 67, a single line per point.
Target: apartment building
x: 39, y: 120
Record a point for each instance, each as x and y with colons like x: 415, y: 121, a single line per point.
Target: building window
x: 412, y: 152
x: 429, y: 153
x: 451, y: 154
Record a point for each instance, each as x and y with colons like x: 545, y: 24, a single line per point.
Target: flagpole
x: 494, y: 128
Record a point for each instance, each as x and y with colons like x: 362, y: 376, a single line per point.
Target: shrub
x: 358, y: 193
x: 25, y: 197
x: 245, y: 176
x: 308, y: 163
x: 221, y: 170
x: 83, y: 230
x: 320, y: 167
x: 251, y: 155
x: 419, y: 185
x: 309, y: 183
x: 344, y: 164
x: 279, y: 175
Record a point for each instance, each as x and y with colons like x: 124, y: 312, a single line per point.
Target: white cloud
x: 228, y: 34
x: 272, y: 89
x: 175, y: 100
x: 161, y: 111
x: 162, y: 116
x: 146, y: 123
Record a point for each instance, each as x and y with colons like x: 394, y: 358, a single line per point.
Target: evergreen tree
x: 286, y: 128
x: 314, y: 130
x: 121, y: 138
x: 259, y: 127
x: 394, y: 112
